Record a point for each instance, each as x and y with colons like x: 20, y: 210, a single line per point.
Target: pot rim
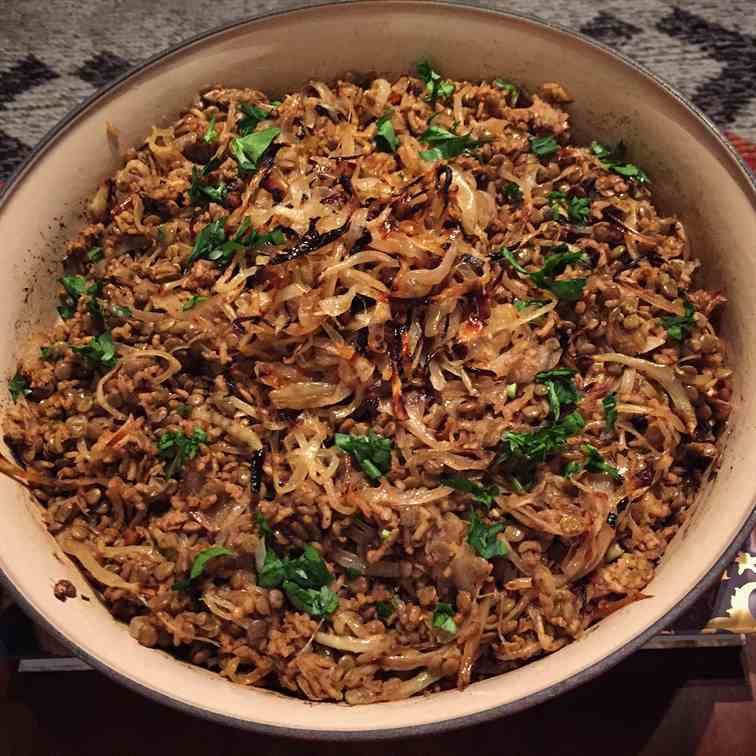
x: 737, y: 169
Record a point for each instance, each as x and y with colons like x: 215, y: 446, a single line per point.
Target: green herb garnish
x: 252, y: 116
x: 120, y: 311
x: 554, y: 264
x: 198, y: 566
x: 595, y: 462
x: 305, y: 580
x: 385, y: 610
x: 482, y: 494
x: 272, y: 572
x: 443, y: 618
x: 483, y: 538
x: 178, y: 448
x: 446, y: 144
x: 535, y: 446
x: 211, y: 243
x: 544, y: 146
x: 523, y: 304
x: 95, y: 254
x: 210, y: 238
x: 75, y: 287
x: 211, y: 134
x: 192, y: 302
x: 317, y: 602
x: 385, y: 136
x: 513, y: 192
x: 198, y: 191
x: 507, y: 254
x: 679, y: 326
x: 571, y: 468
x: 509, y: 88
x: 99, y: 352
x: 609, y: 403
x: 18, y: 386
x: 249, y: 149
x: 611, y: 160
x: 435, y: 86
x: 47, y: 353
x: 561, y: 387
x: 372, y: 452
x: 575, y: 209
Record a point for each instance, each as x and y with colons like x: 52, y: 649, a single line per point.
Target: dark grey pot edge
x: 741, y: 171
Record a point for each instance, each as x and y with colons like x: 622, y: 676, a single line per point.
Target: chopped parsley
x: 523, y: 304
x: 443, y: 618
x: 212, y: 244
x: 508, y: 88
x: 594, y: 463
x: 250, y: 148
x: 678, y: 326
x: 265, y: 528
x: 305, y: 580
x: 199, y: 191
x: 612, y: 161
x: 47, y: 353
x: 385, y: 609
x: 482, y: 494
x: 372, y: 452
x: 575, y: 209
x: 544, y: 146
x: 446, y: 144
x: 317, y: 602
x: 571, y: 468
x: 435, y: 86
x: 524, y: 450
x: 209, y: 239
x: 18, y: 386
x: 560, y: 383
x: 512, y: 192
x: 198, y: 566
x: 120, y: 311
x: 508, y: 255
x: 483, y: 538
x: 192, y: 302
x: 75, y: 288
x: 554, y: 264
x: 95, y: 254
x: 253, y: 114
x: 385, y: 136
x: 212, y: 133
x: 99, y: 352
x: 609, y: 403
x: 177, y: 448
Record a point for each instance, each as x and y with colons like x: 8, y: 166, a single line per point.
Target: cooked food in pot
x: 381, y: 388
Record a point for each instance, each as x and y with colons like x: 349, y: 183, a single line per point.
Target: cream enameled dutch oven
x: 695, y: 174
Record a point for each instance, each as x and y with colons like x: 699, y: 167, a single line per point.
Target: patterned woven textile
x: 55, y: 53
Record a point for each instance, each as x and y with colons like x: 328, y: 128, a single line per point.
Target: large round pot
x: 696, y: 175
